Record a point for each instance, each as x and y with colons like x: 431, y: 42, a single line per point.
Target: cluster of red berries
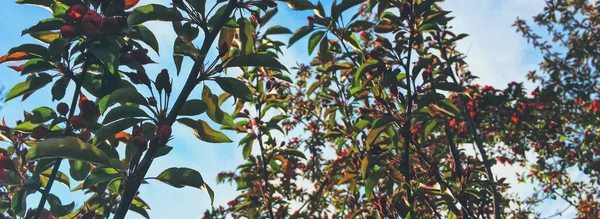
x: 163, y: 82
x: 88, y: 22
x: 5, y: 163
x: 88, y: 112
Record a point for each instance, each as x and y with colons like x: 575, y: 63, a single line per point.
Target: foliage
x: 387, y: 111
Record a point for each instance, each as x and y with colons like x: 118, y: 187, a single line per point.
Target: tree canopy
x: 393, y: 123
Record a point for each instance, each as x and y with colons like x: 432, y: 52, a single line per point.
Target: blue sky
x: 495, y: 53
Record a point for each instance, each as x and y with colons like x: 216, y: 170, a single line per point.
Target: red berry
x: 62, y: 108
x: 295, y: 140
x: 140, y: 142
x: 39, y: 132
x: 2, y: 174
x: 92, y: 22
x: 136, y: 130
x: 6, y: 163
x: 164, y: 133
x: 89, y: 110
x: 75, y: 12
x: 77, y: 122
x: 68, y: 31
x: 85, y: 136
x: 363, y: 34
x: 111, y: 23
x: 152, y: 101
x: 163, y: 81
x: 453, y: 122
x: 310, y: 19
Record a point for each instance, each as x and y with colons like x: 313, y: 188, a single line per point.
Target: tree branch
x: 133, y: 184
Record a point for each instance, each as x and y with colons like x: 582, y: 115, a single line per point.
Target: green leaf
x: 107, y: 53
x: 34, y: 50
x: 100, y: 175
x: 162, y: 151
x: 199, y: 5
x: 181, y: 48
x: 235, y: 87
x: 180, y: 177
x: 18, y: 202
x: 45, y: 25
x: 213, y: 110
x: 364, y: 165
x: 145, y: 35
x: 57, y: 208
x: 79, y: 169
x: 299, y: 5
x: 178, y: 62
x: 30, y: 85
x: 121, y: 112
x: 109, y: 130
x: 116, y: 185
x: 60, y: 177
x: 374, y: 133
x: 449, y: 87
x: 351, y: 39
x: 346, y: 4
x: 261, y: 60
x: 427, y: 27
x: 448, y: 105
x: 246, y: 36
x: 204, y: 132
x: 140, y: 211
x: 57, y: 48
x: 42, y: 114
x: 59, y: 88
x: 45, y: 36
x: 247, y: 141
x: 293, y: 152
x: 299, y: 34
x: 42, y: 3
x: 69, y: 148
x: 193, y: 107
x: 26, y: 126
x: 367, y: 66
x: 277, y: 30
x: 314, y: 39
x: 36, y: 65
x: 59, y: 9
x: 126, y: 95
x: 372, y: 180
x: 267, y: 16
x: 360, y: 25
x: 153, y: 12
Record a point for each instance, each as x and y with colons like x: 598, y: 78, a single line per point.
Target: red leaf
x: 3, y: 122
x: 17, y: 56
x: 130, y: 3
x: 17, y: 68
x: 123, y: 137
x: 82, y: 98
